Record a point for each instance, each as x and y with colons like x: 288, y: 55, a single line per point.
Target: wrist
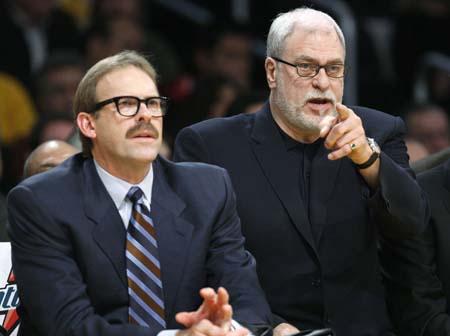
x: 363, y: 156
x: 374, y: 154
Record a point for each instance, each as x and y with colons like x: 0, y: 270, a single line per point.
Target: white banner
x: 9, y: 298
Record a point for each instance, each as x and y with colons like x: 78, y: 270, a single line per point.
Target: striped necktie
x: 146, y: 306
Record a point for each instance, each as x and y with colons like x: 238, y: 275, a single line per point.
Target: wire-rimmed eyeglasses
x: 307, y: 69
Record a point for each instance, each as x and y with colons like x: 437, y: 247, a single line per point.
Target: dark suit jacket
x: 332, y: 279
x: 68, y: 249
x: 419, y: 272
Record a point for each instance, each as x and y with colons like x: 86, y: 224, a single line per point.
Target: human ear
x: 271, y: 69
x: 86, y: 124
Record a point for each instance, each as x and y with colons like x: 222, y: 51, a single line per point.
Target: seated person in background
x: 431, y: 161
x: 118, y: 240
x: 429, y: 125
x: 416, y: 150
x: 417, y: 270
x: 46, y: 156
x: 3, y: 212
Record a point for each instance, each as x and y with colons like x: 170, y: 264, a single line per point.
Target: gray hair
x: 284, y: 24
x: 86, y: 94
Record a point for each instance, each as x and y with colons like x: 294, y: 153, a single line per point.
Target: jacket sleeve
x: 50, y: 284
x: 415, y: 295
x: 399, y: 206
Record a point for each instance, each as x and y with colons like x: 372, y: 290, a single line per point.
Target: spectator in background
x: 57, y: 82
x: 429, y: 124
x: 417, y: 271
x: 17, y: 111
x: 211, y: 98
x: 31, y: 29
x: 52, y: 128
x: 419, y: 27
x: 431, y: 161
x: 107, y: 9
x: 249, y: 102
x: 223, y: 65
x: 117, y: 33
x: 46, y: 156
x: 3, y: 212
x: 227, y: 52
x: 17, y: 118
x: 416, y: 150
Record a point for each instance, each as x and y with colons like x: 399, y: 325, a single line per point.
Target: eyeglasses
x: 129, y: 106
x: 335, y: 70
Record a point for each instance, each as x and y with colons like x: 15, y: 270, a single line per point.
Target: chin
x: 144, y: 156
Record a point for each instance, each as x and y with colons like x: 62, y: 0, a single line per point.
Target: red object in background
x: 11, y: 320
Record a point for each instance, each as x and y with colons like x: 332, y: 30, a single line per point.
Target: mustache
x: 142, y: 127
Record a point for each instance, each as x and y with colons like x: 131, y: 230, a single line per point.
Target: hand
x: 285, y: 329
x: 206, y: 328
x: 215, y: 308
x: 346, y: 133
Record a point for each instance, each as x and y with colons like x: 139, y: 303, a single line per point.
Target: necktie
x: 146, y: 306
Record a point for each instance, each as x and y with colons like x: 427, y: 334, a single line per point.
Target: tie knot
x: 134, y: 194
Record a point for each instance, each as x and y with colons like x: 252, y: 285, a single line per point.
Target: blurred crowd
x: 210, y: 56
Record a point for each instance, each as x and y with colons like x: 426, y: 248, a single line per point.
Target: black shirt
x: 304, y: 155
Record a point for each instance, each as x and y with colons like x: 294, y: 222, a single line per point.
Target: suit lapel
x: 173, y: 232
x: 109, y: 232
x: 270, y: 152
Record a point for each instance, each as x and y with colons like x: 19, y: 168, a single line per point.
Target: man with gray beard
x: 319, y: 185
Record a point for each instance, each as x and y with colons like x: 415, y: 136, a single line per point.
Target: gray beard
x: 294, y: 114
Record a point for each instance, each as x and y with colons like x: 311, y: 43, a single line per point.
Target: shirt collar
x: 289, y: 142
x: 118, y: 188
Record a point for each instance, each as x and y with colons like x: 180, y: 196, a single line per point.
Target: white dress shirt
x: 118, y: 189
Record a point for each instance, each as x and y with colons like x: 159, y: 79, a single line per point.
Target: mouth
x: 319, y: 105
x: 142, y: 132
x: 143, y: 135
x: 143, y: 138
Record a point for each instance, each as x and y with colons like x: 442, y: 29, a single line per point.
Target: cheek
x: 110, y: 132
x: 338, y: 90
x: 158, y: 124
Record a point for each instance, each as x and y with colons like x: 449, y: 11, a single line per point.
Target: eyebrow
x: 309, y: 59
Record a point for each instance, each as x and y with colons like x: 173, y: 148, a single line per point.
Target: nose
x: 144, y: 112
x: 321, y: 81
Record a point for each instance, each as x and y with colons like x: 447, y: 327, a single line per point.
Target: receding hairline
x: 310, y: 20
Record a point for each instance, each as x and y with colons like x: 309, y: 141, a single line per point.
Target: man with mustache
x: 116, y: 240
x: 315, y: 191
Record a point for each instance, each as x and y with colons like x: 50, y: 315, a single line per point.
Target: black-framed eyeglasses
x: 129, y: 106
x: 307, y: 69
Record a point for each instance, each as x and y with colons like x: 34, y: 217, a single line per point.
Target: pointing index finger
x: 343, y: 111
